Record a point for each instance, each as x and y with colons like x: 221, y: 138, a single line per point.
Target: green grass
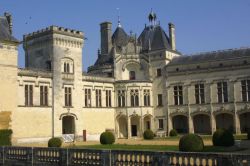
x: 155, y: 148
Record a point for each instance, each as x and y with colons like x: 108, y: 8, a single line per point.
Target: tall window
x: 132, y: 75
x: 98, y: 93
x: 199, y: 94
x: 158, y: 72
x: 222, y: 92
x: 160, y: 127
x: 66, y: 68
x: 121, y: 98
x: 108, y: 98
x: 134, y: 97
x: 146, y: 94
x: 87, y: 97
x: 178, y: 95
x: 159, y: 98
x: 68, y: 96
x: 44, y: 95
x: 245, y: 85
x: 28, y: 91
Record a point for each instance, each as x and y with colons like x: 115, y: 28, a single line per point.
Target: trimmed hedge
x: 191, y: 143
x: 222, y: 137
x: 148, y: 134
x: 5, y: 137
x: 173, y: 133
x: 55, y: 142
x: 107, y: 138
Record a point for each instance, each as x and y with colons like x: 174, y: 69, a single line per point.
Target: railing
x: 24, y: 156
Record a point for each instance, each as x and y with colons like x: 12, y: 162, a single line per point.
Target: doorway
x: 134, y: 130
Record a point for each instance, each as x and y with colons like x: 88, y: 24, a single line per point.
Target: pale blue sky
x: 201, y: 25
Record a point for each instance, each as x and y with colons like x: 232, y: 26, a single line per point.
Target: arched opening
x: 122, y: 127
x: 147, y: 122
x: 135, y: 126
x: 131, y: 75
x: 245, y: 122
x: 180, y: 123
x: 201, y: 124
x: 68, y: 125
x: 225, y: 121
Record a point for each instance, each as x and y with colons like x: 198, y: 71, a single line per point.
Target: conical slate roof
x: 154, y: 38
x: 120, y: 37
x: 5, y: 34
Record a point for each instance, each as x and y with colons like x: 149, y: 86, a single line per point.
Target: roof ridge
x: 217, y: 51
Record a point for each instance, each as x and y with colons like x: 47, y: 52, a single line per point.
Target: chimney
x: 172, y: 35
x: 9, y: 20
x: 106, y: 37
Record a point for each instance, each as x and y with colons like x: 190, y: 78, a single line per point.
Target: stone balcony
x: 68, y: 76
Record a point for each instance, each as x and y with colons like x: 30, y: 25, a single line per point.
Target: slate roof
x: 154, y: 38
x: 120, y: 37
x: 5, y: 34
x: 104, y: 59
x: 211, y: 56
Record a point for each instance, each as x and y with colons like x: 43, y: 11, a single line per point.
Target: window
x: 160, y: 127
x: 159, y: 100
x: 68, y: 96
x: 132, y: 75
x: 245, y: 85
x: 146, y: 94
x: 66, y: 68
x: 222, y: 92
x: 28, y: 91
x: 44, y: 95
x: 98, y: 93
x: 121, y: 98
x: 108, y: 98
x: 199, y: 94
x: 178, y: 95
x: 87, y: 97
x: 158, y: 72
x: 134, y: 97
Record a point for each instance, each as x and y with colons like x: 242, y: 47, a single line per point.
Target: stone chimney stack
x: 172, y: 35
x: 106, y: 37
x: 9, y: 19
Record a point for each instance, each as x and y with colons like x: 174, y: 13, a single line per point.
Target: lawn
x: 155, y: 148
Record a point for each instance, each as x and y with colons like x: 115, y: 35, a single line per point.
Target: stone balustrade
x: 26, y: 156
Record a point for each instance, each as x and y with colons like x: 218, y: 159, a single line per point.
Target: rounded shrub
x: 5, y: 137
x: 55, y: 142
x: 107, y: 138
x: 173, y: 133
x: 222, y: 137
x: 191, y: 143
x: 148, y: 134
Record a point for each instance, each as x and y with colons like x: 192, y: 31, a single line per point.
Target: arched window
x: 131, y: 75
x: 67, y: 65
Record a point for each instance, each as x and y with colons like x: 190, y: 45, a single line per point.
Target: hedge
x: 107, y: 138
x: 191, y: 143
x: 5, y: 137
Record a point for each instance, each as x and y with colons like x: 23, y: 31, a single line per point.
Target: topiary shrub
x: 173, y: 133
x: 5, y: 137
x: 148, y: 134
x: 191, y: 143
x: 55, y: 142
x: 222, y: 137
x: 107, y: 138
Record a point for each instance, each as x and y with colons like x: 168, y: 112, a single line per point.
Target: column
x: 129, y: 127
x: 141, y: 126
x: 237, y: 123
x: 213, y: 122
x: 190, y: 124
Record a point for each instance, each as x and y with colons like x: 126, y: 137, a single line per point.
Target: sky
x: 201, y: 25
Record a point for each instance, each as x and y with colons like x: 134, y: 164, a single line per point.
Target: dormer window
x: 132, y: 75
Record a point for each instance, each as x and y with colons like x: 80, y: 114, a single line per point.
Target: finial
x: 152, y: 17
x: 119, y: 20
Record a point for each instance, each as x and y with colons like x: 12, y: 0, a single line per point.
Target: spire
x: 152, y: 17
x: 119, y: 19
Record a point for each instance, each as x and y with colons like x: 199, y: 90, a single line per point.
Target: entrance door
x: 134, y: 130
x: 68, y: 125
